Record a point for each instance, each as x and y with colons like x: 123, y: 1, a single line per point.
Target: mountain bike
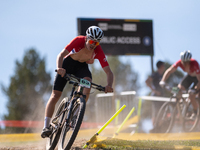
x: 179, y: 108
x: 69, y: 115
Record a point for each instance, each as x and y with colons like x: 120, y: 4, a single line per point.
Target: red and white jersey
x: 78, y: 43
x: 194, y: 67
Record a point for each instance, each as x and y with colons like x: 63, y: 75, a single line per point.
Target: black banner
x: 121, y: 36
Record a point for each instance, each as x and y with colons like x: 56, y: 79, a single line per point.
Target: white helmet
x: 94, y: 33
x: 185, y: 56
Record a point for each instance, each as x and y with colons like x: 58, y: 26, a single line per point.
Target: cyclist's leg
x: 192, y: 96
x: 193, y: 101
x: 59, y: 84
x: 84, y: 72
x: 185, y: 84
x: 86, y: 91
x: 58, y: 87
x: 55, y: 95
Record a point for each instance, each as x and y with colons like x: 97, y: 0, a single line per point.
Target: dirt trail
x: 41, y: 146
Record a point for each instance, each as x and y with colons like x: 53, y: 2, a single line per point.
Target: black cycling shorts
x: 188, y: 80
x: 74, y: 67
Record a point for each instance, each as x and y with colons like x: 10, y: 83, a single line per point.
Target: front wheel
x: 191, y: 118
x: 70, y: 131
x: 165, y: 118
x: 54, y: 137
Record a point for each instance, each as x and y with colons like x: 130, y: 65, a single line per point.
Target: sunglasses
x: 93, y: 42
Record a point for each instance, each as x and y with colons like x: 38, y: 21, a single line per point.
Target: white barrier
x: 157, y: 98
x: 107, y: 104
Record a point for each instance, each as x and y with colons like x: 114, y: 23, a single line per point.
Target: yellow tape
x: 117, y: 108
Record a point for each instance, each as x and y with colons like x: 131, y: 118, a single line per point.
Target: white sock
x: 47, y: 122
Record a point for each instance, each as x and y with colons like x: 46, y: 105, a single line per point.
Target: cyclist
x: 153, y: 83
x: 74, y: 59
x: 191, y: 67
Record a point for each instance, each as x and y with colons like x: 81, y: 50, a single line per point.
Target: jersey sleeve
x: 177, y: 64
x: 74, y: 43
x: 101, y: 57
x: 196, y: 67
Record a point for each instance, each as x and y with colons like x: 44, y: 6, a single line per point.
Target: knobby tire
x: 165, y: 118
x: 52, y: 142
x: 191, y: 121
x: 66, y: 145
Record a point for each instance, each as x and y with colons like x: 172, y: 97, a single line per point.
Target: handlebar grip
x: 100, y: 88
x: 103, y: 88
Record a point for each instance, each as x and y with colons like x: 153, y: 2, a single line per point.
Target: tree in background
x: 28, y: 88
x: 125, y: 79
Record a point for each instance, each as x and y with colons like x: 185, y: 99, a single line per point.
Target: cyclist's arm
x: 109, y: 74
x: 59, y: 62
x: 148, y: 83
x: 168, y: 72
x: 198, y: 84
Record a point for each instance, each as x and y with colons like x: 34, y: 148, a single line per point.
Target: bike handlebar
x: 175, y: 90
x: 71, y: 77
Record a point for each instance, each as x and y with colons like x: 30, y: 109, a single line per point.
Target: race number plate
x: 175, y: 90
x: 85, y: 83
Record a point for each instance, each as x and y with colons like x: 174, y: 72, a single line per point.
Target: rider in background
x: 153, y: 83
x: 191, y: 67
x: 74, y: 59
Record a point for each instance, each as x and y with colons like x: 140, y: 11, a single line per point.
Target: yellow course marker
x: 139, y: 111
x: 103, y: 127
x: 127, y: 117
x: 117, y: 108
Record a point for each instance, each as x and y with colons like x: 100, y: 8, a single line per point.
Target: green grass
x: 116, y: 144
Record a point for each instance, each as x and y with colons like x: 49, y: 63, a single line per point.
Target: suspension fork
x: 75, y: 95
x: 66, y: 104
x: 70, y: 110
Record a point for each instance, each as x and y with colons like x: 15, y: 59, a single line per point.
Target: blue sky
x: 49, y: 25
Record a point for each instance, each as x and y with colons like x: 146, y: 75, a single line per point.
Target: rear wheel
x: 191, y: 118
x: 70, y: 131
x: 165, y: 118
x: 53, y: 139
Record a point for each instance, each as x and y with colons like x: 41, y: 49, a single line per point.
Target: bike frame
x: 181, y: 110
x: 76, y: 92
